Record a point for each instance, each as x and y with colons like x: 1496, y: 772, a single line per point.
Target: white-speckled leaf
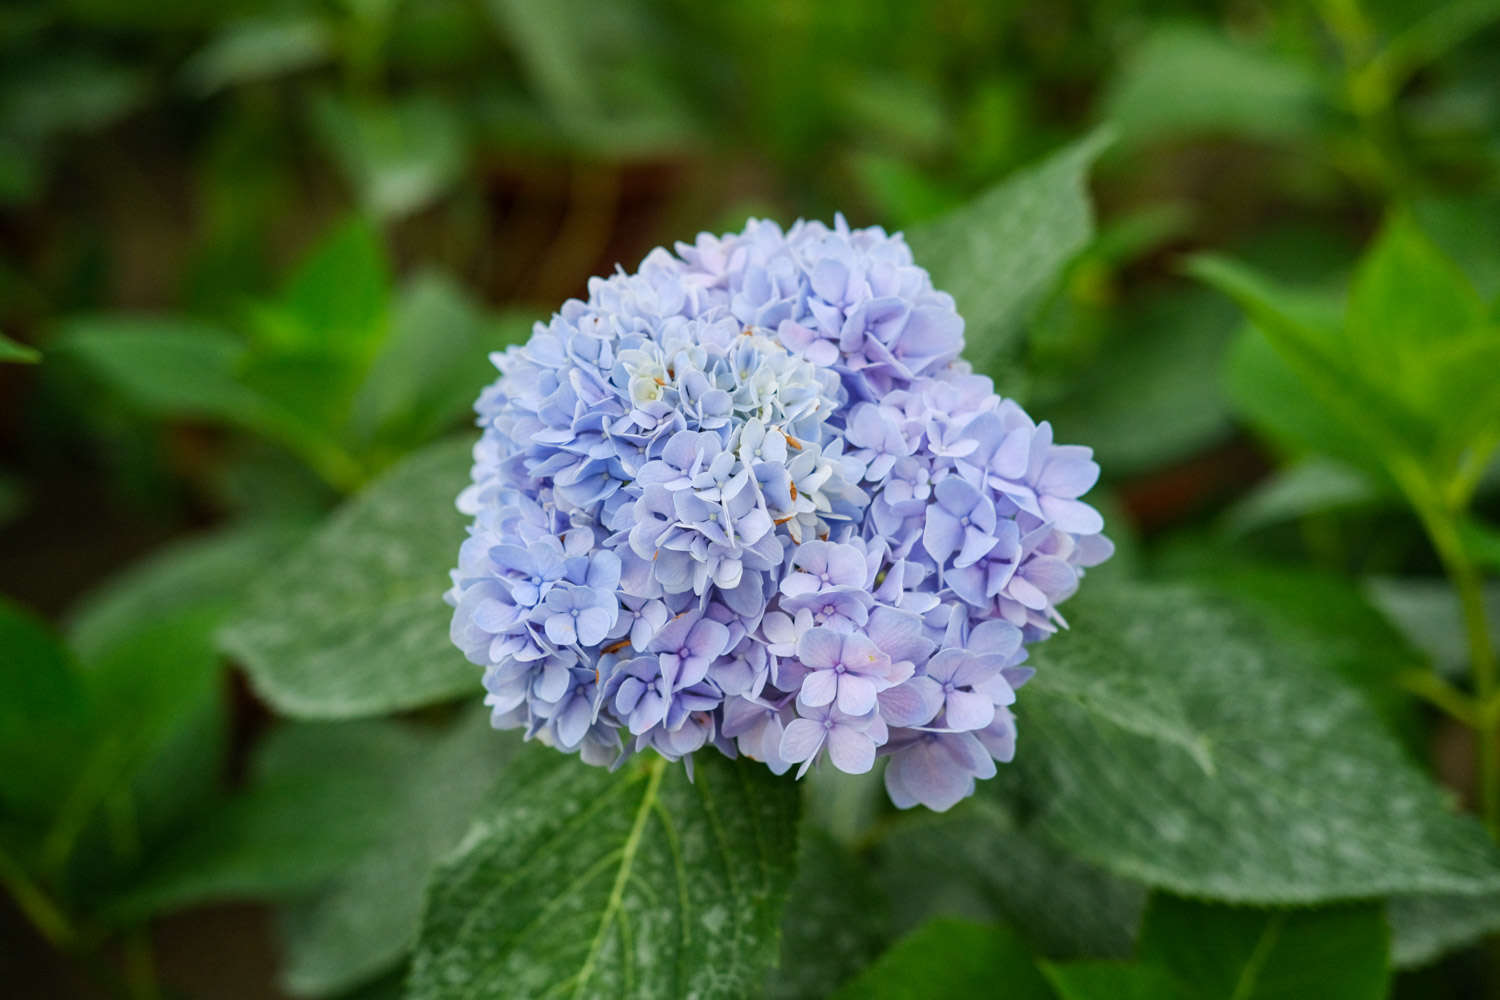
x: 1424, y: 928
x: 1172, y: 740
x: 1000, y: 253
x: 581, y: 883
x: 353, y: 622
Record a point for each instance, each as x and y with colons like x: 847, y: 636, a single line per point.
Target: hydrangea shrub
x: 751, y: 498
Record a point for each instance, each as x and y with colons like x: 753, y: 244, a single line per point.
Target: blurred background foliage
x: 263, y: 249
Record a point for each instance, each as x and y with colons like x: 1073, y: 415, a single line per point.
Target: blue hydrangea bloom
x: 751, y: 497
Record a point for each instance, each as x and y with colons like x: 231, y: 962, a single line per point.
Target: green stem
x: 1482, y: 654
x: 1441, y: 522
x: 45, y: 915
x: 140, y: 966
x: 1427, y: 685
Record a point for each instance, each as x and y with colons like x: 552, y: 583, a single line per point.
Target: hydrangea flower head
x: 750, y: 498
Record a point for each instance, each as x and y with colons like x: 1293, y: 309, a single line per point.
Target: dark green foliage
x: 254, y: 260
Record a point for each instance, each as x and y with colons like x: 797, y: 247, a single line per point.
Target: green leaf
x: 151, y: 667
x: 1417, y: 329
x: 1324, y: 618
x: 312, y: 794
x: 168, y: 366
x: 207, y: 571
x: 44, y: 718
x: 335, y: 303
x: 598, y: 75
x: 1269, y: 393
x: 1152, y: 365
x: 976, y: 861
x: 951, y: 958
x: 1188, y: 81
x: 1426, y: 612
x: 588, y: 883
x: 257, y: 49
x: 364, y: 921
x: 1198, y: 951
x: 399, y: 157
x: 1424, y: 928
x: 353, y: 623
x: 1464, y: 226
x: 1114, y: 980
x: 434, y: 364
x: 1317, y: 352
x: 1407, y: 298
x: 69, y: 92
x: 838, y: 923
x: 1336, y: 952
x: 1482, y: 542
x: 998, y: 255
x: 1311, y: 486
x: 19, y: 353
x: 1173, y: 740
x: 175, y: 368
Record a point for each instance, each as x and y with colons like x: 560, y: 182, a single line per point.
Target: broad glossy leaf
x: 365, y: 919
x: 352, y: 623
x: 1186, y: 81
x: 951, y: 958
x: 999, y: 254
x: 1173, y: 740
x: 641, y: 883
x: 1198, y: 951
x: 1324, y: 619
